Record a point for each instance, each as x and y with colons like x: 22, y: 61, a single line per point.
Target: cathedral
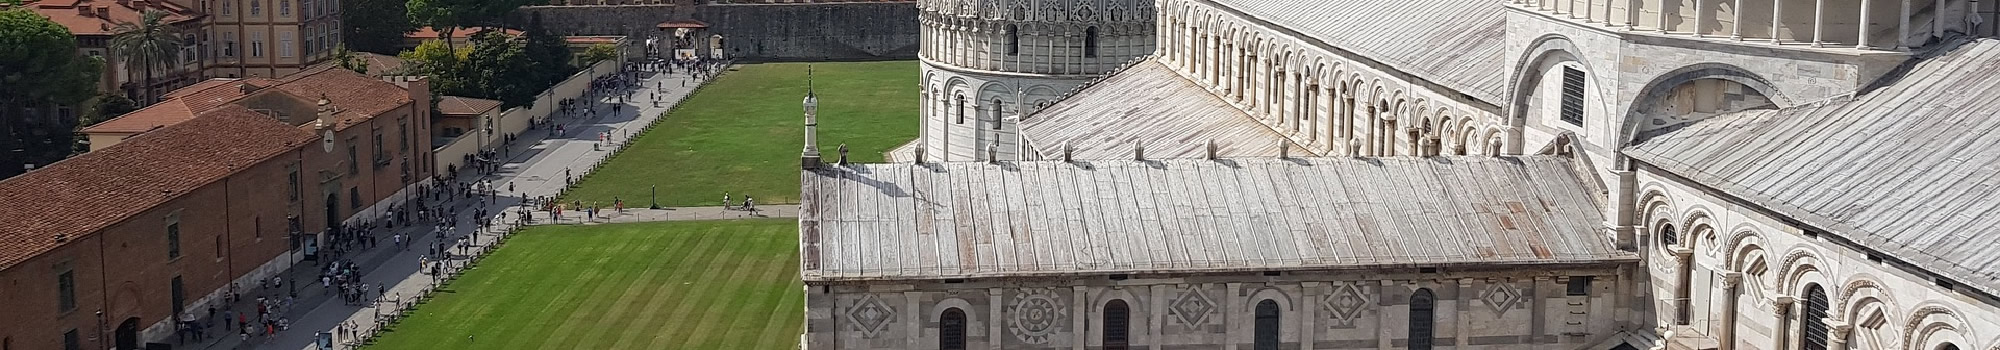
x: 1425, y: 174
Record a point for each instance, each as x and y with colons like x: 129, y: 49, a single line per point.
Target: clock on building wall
x: 326, y: 139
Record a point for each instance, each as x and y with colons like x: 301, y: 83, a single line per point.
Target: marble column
x: 1726, y: 335
x: 1836, y: 335
x: 1777, y: 21
x: 1700, y: 15
x: 1736, y: 30
x: 1782, y: 330
x: 1861, y: 40
x: 1819, y: 23
x: 1903, y: 27
x: 1663, y: 16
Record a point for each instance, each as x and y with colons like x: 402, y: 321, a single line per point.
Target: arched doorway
x: 127, y: 335
x: 951, y: 330
x: 1266, y: 336
x: 1422, y: 321
x: 1117, y: 325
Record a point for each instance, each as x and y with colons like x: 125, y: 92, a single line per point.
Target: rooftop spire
x: 809, y: 80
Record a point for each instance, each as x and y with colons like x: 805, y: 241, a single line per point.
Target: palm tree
x: 149, y: 43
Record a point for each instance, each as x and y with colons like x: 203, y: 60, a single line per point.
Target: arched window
x: 1090, y: 42
x: 951, y: 330
x: 960, y: 99
x: 1421, y: 323
x: 1668, y: 237
x: 1117, y: 325
x: 1013, y: 40
x: 1813, y: 335
x: 1267, y: 325
x: 997, y: 114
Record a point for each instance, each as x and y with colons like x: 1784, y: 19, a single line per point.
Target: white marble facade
x: 1469, y: 310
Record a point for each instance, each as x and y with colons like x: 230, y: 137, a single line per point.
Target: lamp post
x: 656, y: 197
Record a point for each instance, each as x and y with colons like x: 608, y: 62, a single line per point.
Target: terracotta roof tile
x: 180, y: 105
x: 454, y: 105
x: 169, y: 112
x: 355, y: 97
x: 67, y: 14
x: 77, y: 197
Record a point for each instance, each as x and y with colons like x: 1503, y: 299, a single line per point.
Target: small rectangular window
x: 218, y: 247
x: 173, y: 237
x: 1572, y: 96
x: 71, y: 341
x: 66, y: 290
x: 354, y: 198
x: 1580, y: 285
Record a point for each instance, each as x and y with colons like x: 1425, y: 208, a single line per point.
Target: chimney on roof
x: 245, y: 87
x: 1138, y: 150
x: 80, y: 10
x: 1211, y: 149
x: 325, y: 112
x: 104, y: 12
x: 1284, y: 149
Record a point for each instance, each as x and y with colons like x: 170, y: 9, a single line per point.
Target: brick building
x: 101, y: 250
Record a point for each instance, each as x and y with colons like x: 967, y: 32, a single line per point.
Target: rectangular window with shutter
x: 1572, y: 96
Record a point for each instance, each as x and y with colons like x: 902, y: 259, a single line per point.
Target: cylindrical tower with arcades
x: 986, y: 63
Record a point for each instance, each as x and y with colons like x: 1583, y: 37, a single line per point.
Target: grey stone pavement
x: 608, y: 216
x: 535, y: 165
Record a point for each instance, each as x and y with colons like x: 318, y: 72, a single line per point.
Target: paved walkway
x: 669, y: 214
x: 536, y: 166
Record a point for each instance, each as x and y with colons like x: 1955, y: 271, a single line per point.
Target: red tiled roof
x: 355, y: 97
x: 467, y: 32
x: 68, y: 13
x: 169, y: 112
x: 77, y: 197
x: 454, y: 105
x: 180, y: 105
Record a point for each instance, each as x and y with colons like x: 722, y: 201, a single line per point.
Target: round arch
x: 1543, y: 51
x: 1664, y: 84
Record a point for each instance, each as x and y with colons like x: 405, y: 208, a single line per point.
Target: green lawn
x: 660, y: 285
x: 742, y: 133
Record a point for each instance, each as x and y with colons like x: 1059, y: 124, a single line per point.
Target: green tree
x: 596, y: 53
x: 446, y: 16
x: 550, y: 54
x: 499, y: 68
x: 105, y: 107
x: 39, y: 70
x: 374, y: 26
x: 151, y: 42
x: 346, y: 59
x: 442, y: 64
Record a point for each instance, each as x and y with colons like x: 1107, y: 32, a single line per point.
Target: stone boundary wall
x: 760, y: 32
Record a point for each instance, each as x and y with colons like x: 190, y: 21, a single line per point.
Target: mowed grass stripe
x: 694, y: 318
x: 654, y: 315
x: 601, y: 287
x: 709, y: 264
x: 717, y: 315
x: 597, y: 298
x: 744, y: 331
x: 641, y: 291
